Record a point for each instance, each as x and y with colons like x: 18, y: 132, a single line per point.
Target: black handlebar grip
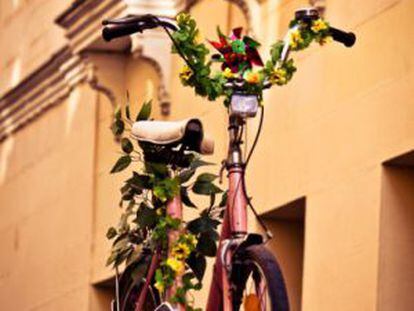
x: 347, y: 38
x: 116, y: 31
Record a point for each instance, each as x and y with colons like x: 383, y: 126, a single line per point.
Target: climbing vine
x: 144, y: 221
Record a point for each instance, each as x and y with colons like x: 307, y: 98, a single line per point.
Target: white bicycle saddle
x: 189, y: 132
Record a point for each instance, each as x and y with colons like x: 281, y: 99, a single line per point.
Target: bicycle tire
x: 259, y: 257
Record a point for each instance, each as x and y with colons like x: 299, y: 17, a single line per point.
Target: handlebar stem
x: 234, y: 157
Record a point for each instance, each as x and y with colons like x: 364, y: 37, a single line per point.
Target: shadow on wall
x: 287, y: 223
x: 396, y: 267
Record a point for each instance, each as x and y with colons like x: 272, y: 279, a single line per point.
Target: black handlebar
x: 132, y: 24
x: 346, y: 38
x: 116, y: 31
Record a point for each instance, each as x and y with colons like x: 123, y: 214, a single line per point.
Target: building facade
x: 332, y: 174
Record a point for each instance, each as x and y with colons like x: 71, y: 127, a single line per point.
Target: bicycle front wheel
x: 258, y: 281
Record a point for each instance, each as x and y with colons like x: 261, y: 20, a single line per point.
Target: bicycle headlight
x: 244, y: 105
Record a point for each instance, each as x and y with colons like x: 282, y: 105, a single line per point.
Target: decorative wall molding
x: 83, y: 30
x: 44, y: 88
x: 53, y: 81
x: 95, y: 84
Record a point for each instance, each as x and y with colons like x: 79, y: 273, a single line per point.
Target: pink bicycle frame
x: 234, y: 226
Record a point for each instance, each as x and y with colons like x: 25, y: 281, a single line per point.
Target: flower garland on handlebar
x: 239, y: 58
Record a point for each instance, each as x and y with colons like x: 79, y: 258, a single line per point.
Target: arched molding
x: 164, y: 98
x: 98, y: 86
x: 82, y: 24
x: 155, y: 47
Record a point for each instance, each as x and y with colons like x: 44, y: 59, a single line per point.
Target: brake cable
x: 268, y: 233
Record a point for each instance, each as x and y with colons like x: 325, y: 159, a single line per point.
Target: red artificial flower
x: 238, y: 53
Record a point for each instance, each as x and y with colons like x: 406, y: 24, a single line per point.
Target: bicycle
x: 242, y: 260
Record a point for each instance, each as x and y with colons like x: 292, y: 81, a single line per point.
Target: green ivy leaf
x: 137, y: 268
x: 197, y: 263
x: 146, y: 216
x: 206, y: 245
x: 139, y: 181
x: 111, y: 258
x: 185, y: 197
x: 202, y: 224
x: 118, y: 113
x: 223, y: 200
x: 206, y: 177
x: 158, y: 169
x: 111, y: 233
x: 118, y: 127
x: 186, y: 175
x: 145, y: 111
x: 126, y: 145
x: 125, y: 188
x: 205, y: 188
x: 173, y: 223
x: 122, y: 163
x: 212, y: 199
x: 127, y: 110
x: 166, y: 189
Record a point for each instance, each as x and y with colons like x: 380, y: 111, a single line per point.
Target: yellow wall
x: 46, y: 197
x: 325, y: 138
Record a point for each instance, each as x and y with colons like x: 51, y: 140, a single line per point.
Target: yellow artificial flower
x: 192, y: 240
x: 182, y: 16
x: 295, y: 38
x: 175, y: 264
x: 180, y: 251
x: 319, y: 25
x: 198, y: 38
x: 186, y: 73
x: 325, y: 40
x: 278, y: 76
x: 227, y: 73
x: 252, y: 77
x: 159, y: 287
